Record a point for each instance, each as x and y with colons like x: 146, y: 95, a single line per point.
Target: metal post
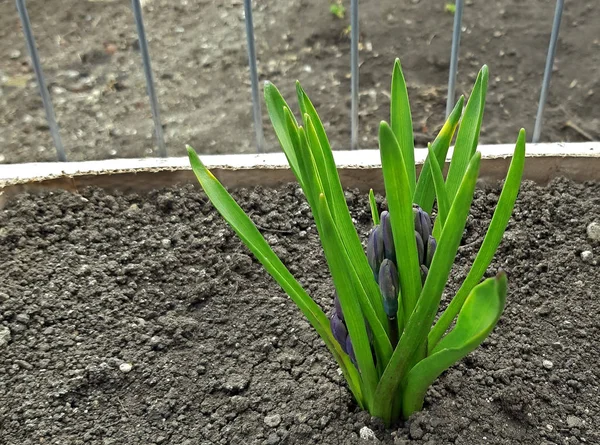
x: 354, y: 72
x: 39, y: 74
x: 260, y: 139
x: 139, y: 23
x: 458, y: 13
x: 537, y: 130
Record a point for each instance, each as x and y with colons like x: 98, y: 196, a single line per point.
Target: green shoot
x: 381, y: 329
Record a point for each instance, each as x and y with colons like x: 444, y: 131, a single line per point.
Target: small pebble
x: 273, y: 420
x: 15, y: 54
x: 125, y: 367
x: 574, y: 422
x: 71, y: 74
x: 367, y: 433
x: 543, y: 310
x: 18, y: 327
x: 3, y: 297
x: 22, y: 318
x: 236, y: 383
x: 24, y: 365
x: 593, y: 231
x: 415, y: 431
x: 4, y: 336
x: 547, y: 364
x: 587, y: 256
x: 166, y: 243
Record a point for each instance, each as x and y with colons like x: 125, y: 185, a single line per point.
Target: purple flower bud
x: 339, y: 331
x: 388, y: 284
x: 424, y: 272
x: 350, y: 350
x: 375, y: 252
x: 388, y: 237
x: 431, y: 246
x: 420, y: 247
x: 422, y: 222
x: 337, y: 306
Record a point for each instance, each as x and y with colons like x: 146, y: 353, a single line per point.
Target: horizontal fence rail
x: 252, y: 63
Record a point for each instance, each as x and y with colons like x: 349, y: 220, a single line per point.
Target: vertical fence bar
x: 458, y: 13
x: 354, y: 73
x: 256, y: 111
x: 537, y: 129
x: 39, y: 74
x: 139, y: 23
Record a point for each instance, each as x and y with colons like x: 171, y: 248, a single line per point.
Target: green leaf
x: 424, y: 193
x: 440, y: 191
x: 321, y: 174
x: 401, y: 123
x: 399, y: 200
x: 316, y: 150
x: 418, y: 325
x: 252, y: 238
x: 294, y: 150
x: 307, y: 108
x: 345, y: 284
x: 468, y: 134
x: 275, y: 107
x: 373, y: 204
x: 317, y: 172
x: 308, y: 167
x: 476, y: 320
x: 341, y: 262
x: 490, y: 244
x: 372, y: 305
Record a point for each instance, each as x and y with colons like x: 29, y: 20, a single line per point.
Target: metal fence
x: 256, y: 107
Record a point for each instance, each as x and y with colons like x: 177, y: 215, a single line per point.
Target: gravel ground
x: 91, y: 58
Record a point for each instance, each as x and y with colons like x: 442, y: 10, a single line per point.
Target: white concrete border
x: 19, y: 173
x: 361, y: 169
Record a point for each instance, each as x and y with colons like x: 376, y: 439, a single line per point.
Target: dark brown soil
x: 219, y: 355
x: 90, y: 56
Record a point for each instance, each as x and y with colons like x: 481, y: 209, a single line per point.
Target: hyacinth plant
x: 382, y: 329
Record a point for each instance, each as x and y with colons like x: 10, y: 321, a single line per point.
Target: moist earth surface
x: 142, y: 319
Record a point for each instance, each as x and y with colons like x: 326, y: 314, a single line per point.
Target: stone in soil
x: 593, y: 231
x: 5, y: 336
